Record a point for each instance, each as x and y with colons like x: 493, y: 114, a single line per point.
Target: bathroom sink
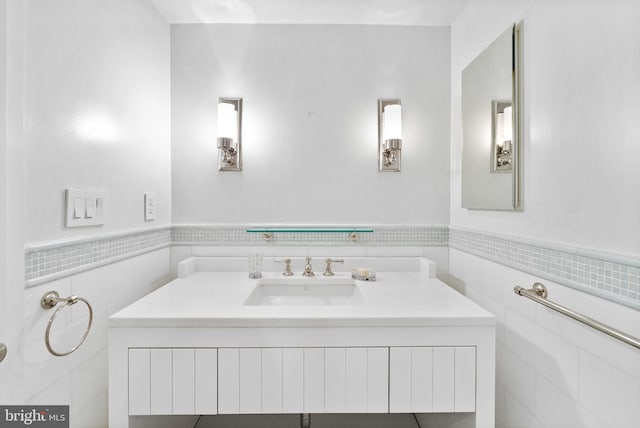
x: 305, y: 292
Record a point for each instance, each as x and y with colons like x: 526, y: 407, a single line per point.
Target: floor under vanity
x: 215, y: 342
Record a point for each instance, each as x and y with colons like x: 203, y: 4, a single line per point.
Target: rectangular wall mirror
x: 490, y: 127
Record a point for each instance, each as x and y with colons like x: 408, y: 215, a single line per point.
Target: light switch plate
x: 149, y: 206
x: 84, y: 208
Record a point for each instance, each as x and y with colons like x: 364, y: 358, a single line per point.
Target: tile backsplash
x: 385, y: 235
x: 612, y: 277
x: 51, y: 261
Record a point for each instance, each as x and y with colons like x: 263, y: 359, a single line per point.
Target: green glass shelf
x: 308, y: 230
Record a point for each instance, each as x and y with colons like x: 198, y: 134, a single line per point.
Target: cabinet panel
x: 356, y: 374
x: 443, y: 379
x: 228, y: 381
x: 139, y: 382
x: 183, y: 381
x: 422, y: 380
x: 313, y: 380
x: 250, y: 380
x: 272, y: 380
x: 206, y: 381
x: 400, y: 380
x: 334, y: 380
x: 378, y: 380
x: 292, y: 380
x: 160, y: 363
x: 432, y: 379
x: 465, y: 382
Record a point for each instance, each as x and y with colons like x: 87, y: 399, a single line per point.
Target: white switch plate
x: 149, y: 206
x: 84, y: 208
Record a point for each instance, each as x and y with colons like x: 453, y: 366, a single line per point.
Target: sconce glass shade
x: 507, y: 124
x: 392, y: 122
x: 227, y: 124
x: 499, y: 129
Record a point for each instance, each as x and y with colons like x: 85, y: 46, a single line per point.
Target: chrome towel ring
x: 51, y: 299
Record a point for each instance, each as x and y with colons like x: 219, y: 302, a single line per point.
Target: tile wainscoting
x: 612, y: 277
x: 51, y: 261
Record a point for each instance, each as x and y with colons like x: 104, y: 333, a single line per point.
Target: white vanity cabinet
x: 410, y: 344
x: 301, y: 380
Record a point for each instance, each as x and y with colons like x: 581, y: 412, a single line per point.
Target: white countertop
x: 216, y: 299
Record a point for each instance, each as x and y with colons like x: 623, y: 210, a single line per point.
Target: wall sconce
x: 501, y: 136
x: 229, y: 134
x: 389, y: 134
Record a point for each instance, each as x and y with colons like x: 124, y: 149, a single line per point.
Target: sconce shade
x: 507, y: 124
x: 392, y: 125
x: 499, y: 129
x: 227, y: 124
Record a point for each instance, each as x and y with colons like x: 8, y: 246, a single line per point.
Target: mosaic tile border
x: 44, y: 263
x: 612, y: 277
x: 387, y: 235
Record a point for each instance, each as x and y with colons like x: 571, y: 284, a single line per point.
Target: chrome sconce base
x: 389, y: 150
x: 230, y: 153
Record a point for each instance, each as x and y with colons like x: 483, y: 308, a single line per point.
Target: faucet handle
x: 287, y: 266
x: 327, y: 270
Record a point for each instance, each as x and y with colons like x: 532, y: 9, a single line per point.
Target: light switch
x: 149, y: 206
x: 84, y: 207
x: 78, y: 208
x: 90, y: 204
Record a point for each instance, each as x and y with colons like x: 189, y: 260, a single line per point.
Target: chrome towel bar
x: 539, y: 294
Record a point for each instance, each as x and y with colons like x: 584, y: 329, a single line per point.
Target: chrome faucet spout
x: 308, y: 269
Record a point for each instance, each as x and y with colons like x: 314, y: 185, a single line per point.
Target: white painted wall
x: 580, y: 127
x: 11, y: 281
x: 96, y: 112
x: 4, y: 331
x: 580, y: 149
x: 70, y: 63
x: 310, y: 123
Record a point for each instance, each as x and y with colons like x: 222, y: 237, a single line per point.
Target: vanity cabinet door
x: 166, y: 381
x: 356, y: 380
x: 261, y: 380
x: 432, y: 379
x: 303, y: 380
x: 139, y: 381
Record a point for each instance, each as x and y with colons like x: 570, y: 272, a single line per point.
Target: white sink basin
x: 305, y: 292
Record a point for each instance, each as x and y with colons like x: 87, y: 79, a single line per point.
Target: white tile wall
x: 538, y: 351
x: 551, y: 370
x: 613, y: 277
x: 80, y: 379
